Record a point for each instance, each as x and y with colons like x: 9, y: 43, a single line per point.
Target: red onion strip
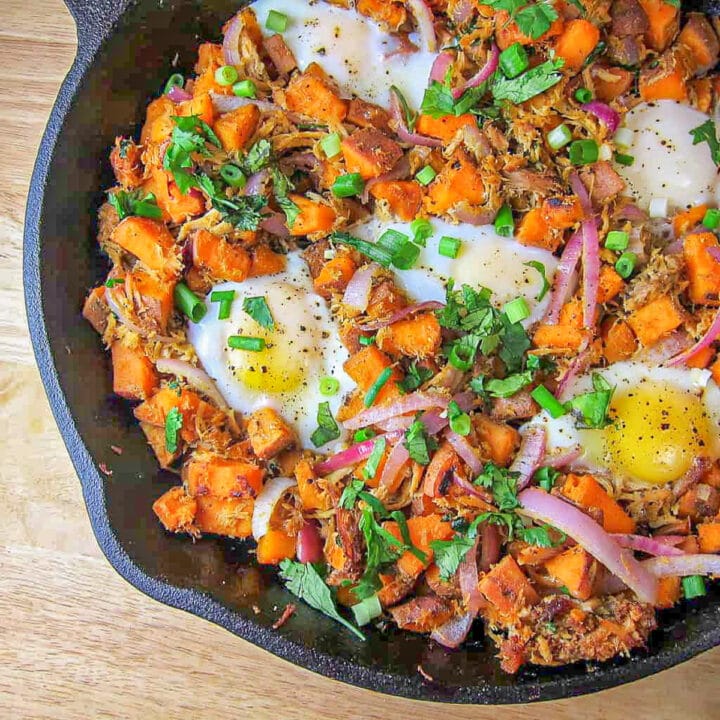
x: 604, y: 113
x: 178, y: 95
x: 542, y: 506
x: 578, y: 364
x: 309, y: 543
x: 473, y: 490
x: 440, y: 67
x: 558, y: 461
x: 231, y: 41
x: 714, y: 252
x: 707, y: 339
x: 402, y: 130
x: 648, y: 545
x: 530, y: 455
x: 406, y: 404
x: 490, y: 544
x: 665, y: 349
x: 682, y: 566
x: 402, y: 314
x: 453, y: 633
x: 698, y: 467
x: 425, y: 23
x: 394, y: 464
x: 563, y: 275
x: 274, y: 223
x: 482, y: 75
x: 465, y: 451
x: 228, y: 103
x: 352, y: 455
x: 399, y: 172
x: 357, y: 292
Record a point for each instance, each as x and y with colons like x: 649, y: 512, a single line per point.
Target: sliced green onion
x: 331, y: 145
x: 623, y: 159
x: 226, y: 75
x: 513, y: 60
x: 406, y: 256
x: 658, y: 208
x: 459, y: 420
x: 174, y: 81
x: 504, y: 224
x: 225, y: 309
x: 426, y: 175
x: 694, y: 586
x: 421, y: 230
x: 377, y: 386
x: 112, y: 282
x: 245, y: 88
x: 243, y: 342
x: 583, y: 95
x: 348, y: 185
x: 517, y: 310
x: 276, y: 21
x: 547, y: 401
x: 624, y: 138
x: 225, y: 298
x: 626, y: 264
x: 233, y: 175
x: 617, y: 240
x: 559, y: 137
x: 711, y: 219
x: 372, y: 250
x: 449, y: 246
x: 583, y: 152
x: 367, y: 610
x: 189, y: 303
x: 462, y: 357
x: 363, y: 435
x: 366, y: 340
x: 392, y: 240
x: 329, y: 386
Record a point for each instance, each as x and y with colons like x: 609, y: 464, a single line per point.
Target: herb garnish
x: 529, y: 84
x: 134, y: 203
x: 418, y: 443
x: 327, y: 427
x: 532, y: 19
x: 706, y: 133
x: 190, y: 135
x: 415, y: 376
x: 258, y: 309
x: 592, y: 407
x: 173, y: 425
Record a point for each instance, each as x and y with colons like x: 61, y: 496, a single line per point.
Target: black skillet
x: 125, y: 52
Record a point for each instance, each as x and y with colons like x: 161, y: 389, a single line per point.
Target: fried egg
x: 485, y: 259
x: 667, y: 164
x: 303, y: 347
x: 351, y: 48
x: 660, y: 420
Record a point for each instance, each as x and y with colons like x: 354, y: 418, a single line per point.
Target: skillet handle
x: 94, y: 20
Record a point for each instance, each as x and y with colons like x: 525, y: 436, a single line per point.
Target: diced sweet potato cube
x: 134, y: 375
x: 418, y: 337
x: 655, y: 320
x: 311, y: 496
x: 507, y: 587
x: 231, y: 517
x: 269, y: 433
x: 315, y: 97
x: 370, y: 152
x: 403, y: 197
x: 234, y: 129
x: 275, y: 546
x: 176, y: 510
x: 222, y: 477
x: 709, y: 537
x: 314, y: 217
x: 445, y: 127
x: 222, y: 259
x: 702, y: 268
x: 498, y: 440
x: 148, y: 240
x: 335, y: 275
x: 587, y: 492
x: 576, y: 570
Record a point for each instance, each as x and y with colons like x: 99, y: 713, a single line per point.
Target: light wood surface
x: 76, y: 641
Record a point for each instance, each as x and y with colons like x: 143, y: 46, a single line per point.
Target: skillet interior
x: 119, y: 67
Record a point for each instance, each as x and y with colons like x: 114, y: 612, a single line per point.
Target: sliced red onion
x: 530, y: 455
x: 675, y: 247
x: 352, y: 456
x: 465, y: 450
x: 604, y: 113
x: 309, y: 543
x: 580, y: 190
x: 648, y: 545
x: 563, y: 277
x: 578, y: 365
x: 461, y: 11
x: 231, y: 41
x: 274, y: 223
x: 591, y: 271
x: 682, y: 566
x: 402, y: 130
x: 394, y: 464
x: 401, y: 315
x: 465, y: 213
x: 630, y: 211
x: 468, y: 579
x: 540, y: 505
x: 357, y: 292
x: 452, y: 634
x: 564, y: 459
x: 228, y: 103
x: 665, y: 349
x: 198, y: 378
x: 482, y: 75
x: 490, y: 545
x: 406, y: 404
x: 440, y: 66
x: 256, y: 183
x: 399, y: 172
x: 425, y: 23
x: 404, y: 47
x: 178, y: 94
x: 671, y: 540
x: 714, y: 252
x: 698, y: 467
x: 272, y: 492
x: 401, y: 422
x: 707, y: 339
x: 473, y: 490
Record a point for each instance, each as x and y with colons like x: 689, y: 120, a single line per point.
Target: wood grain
x: 76, y: 641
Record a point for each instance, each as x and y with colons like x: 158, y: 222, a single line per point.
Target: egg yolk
x: 656, y: 432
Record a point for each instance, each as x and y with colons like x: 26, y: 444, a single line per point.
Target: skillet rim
x: 96, y: 21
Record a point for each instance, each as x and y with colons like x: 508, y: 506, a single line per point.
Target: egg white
x: 351, y: 48
x: 303, y: 348
x: 485, y: 259
x: 667, y: 164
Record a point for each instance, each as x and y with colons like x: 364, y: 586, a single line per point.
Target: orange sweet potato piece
x: 578, y: 39
x: 701, y: 41
x: 688, y: 220
x: 507, y: 32
x: 459, y: 181
x: 210, y: 57
x: 418, y: 337
x: 158, y: 125
x: 668, y: 592
x: 699, y: 502
x: 559, y: 337
x: 176, y: 207
x: 222, y: 259
x: 315, y: 97
x: 664, y: 20
x: 715, y: 370
x: 423, y: 530
x: 275, y: 546
x: 385, y: 299
x: 365, y: 366
x: 702, y: 268
x: 507, y: 588
x: 134, y: 375
x: 445, y: 127
x: 619, y: 341
x: 231, y: 517
x: 95, y: 309
x: 709, y: 537
x: 499, y: 441
x: 391, y: 14
x: 265, y: 261
x: 201, y: 105
x: 269, y: 434
x: 586, y: 492
x: 126, y: 161
x: 176, y: 510
x: 442, y: 461
x: 403, y: 197
x: 611, y: 284
x: 153, y: 295
x: 311, y: 495
x: 576, y: 570
x: 571, y: 314
x: 148, y: 240
x: 365, y: 114
x: 370, y: 152
x: 335, y: 275
x: 561, y: 212
x: 234, y: 129
x: 610, y: 82
x: 700, y: 359
x: 666, y: 81
x: 535, y: 231
x: 422, y: 614
x: 314, y: 217
x: 655, y: 320
x: 222, y: 477
x: 156, y: 440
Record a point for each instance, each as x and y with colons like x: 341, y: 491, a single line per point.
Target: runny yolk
x: 656, y: 432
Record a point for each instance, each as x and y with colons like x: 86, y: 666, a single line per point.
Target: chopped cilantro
x: 503, y: 485
x: 438, y: 101
x: 258, y: 157
x: 545, y: 477
x: 540, y: 536
x: 531, y: 83
x: 258, y: 309
x: 350, y: 494
x: 173, y: 425
x: 371, y: 466
x: 190, y: 136
x: 418, y: 443
x: 533, y: 19
x: 450, y: 553
x: 327, y: 427
x: 509, y: 386
x: 134, y: 203
x: 592, y: 407
x: 706, y: 133
x: 415, y: 376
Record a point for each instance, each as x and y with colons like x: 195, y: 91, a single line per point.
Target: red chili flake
x: 105, y: 470
x: 286, y: 613
x: 427, y: 677
x: 116, y: 449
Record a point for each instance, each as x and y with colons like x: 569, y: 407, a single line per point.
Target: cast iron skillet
x: 125, y: 52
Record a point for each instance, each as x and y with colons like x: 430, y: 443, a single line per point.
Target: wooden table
x: 76, y: 641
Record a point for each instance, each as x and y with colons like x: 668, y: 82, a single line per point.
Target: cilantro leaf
x: 592, y: 407
x: 418, y: 443
x: 438, y: 101
x: 529, y: 84
x: 381, y: 546
x: 350, y: 494
x: 327, y: 427
x: 674, y: 3
x: 304, y: 581
x: 503, y: 485
x: 450, y: 553
x: 258, y: 157
x: 258, y: 309
x: 371, y: 466
x: 190, y: 136
x: 173, y: 425
x: 477, y: 385
x: 537, y: 265
x: 133, y: 203
x: 539, y: 536
x: 290, y: 209
x: 408, y: 114
x: 707, y: 133
x: 545, y: 477
x: 509, y: 386
x: 401, y: 520
x: 535, y: 19
x: 414, y: 377
x: 514, y: 343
